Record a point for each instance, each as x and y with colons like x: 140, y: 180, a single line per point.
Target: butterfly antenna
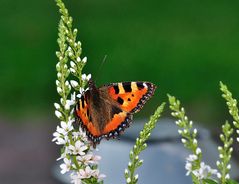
x: 100, y: 68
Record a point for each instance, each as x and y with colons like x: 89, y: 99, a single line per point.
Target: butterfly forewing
x: 131, y: 96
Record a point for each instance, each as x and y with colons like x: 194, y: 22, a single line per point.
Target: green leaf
x: 210, y: 181
x: 231, y: 182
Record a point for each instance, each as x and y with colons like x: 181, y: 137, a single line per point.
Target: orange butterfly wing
x: 126, y: 98
x: 131, y: 96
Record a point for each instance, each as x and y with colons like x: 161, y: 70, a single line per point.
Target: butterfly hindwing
x: 83, y: 115
x: 131, y: 96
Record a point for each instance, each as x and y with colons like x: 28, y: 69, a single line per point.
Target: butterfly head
x: 91, y: 84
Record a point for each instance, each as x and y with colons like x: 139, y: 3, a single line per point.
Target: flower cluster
x: 232, y: 106
x: 135, y: 162
x: 76, y: 153
x: 194, y: 165
x: 189, y: 135
x: 203, y: 172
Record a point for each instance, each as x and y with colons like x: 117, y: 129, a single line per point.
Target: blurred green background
x: 185, y: 47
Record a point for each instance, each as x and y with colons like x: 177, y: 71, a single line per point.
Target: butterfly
x: 105, y: 112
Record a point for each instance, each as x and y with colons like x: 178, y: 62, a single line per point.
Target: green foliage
x: 209, y: 181
x: 141, y: 145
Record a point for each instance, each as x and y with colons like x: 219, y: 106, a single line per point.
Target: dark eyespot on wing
x: 127, y: 86
x: 129, y: 99
x: 115, y: 110
x: 140, y: 85
x: 120, y: 100
x: 116, y: 88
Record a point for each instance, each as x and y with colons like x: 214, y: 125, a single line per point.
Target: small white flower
x: 81, y: 90
x: 78, y: 148
x: 79, y: 95
x: 66, y: 126
x: 70, y: 53
x: 58, y: 64
x: 227, y: 176
x: 126, y: 171
x: 95, y: 159
x: 128, y: 180
x: 58, y: 114
x: 88, y: 77
x: 84, y: 60
x: 86, y: 173
x: 68, y: 104
x: 59, y: 75
x: 72, y: 70
x: 74, y: 83
x: 57, y: 106
x: 83, y: 76
x: 66, y: 166
x: 136, y: 176
x: 198, y: 151
x: 195, y: 131
x: 195, y: 141
x: 59, y: 138
x: 85, y: 159
x: 192, y: 158
x: 183, y: 140
x: 59, y: 90
x: 57, y: 82
x: 78, y: 59
x: 204, y: 171
x: 75, y: 178
x: 73, y: 65
x: 219, y: 175
x: 229, y: 166
x: 188, y: 167
x: 96, y: 174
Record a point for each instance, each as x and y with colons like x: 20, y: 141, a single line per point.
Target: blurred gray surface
x: 164, y: 159
x: 26, y: 152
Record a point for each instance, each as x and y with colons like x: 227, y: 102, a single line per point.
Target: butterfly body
x: 105, y: 112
